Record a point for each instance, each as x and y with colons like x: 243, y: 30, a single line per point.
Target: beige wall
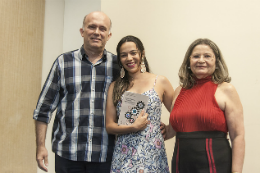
x: 167, y: 28
x: 21, y: 40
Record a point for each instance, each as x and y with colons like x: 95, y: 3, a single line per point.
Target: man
x: 77, y: 86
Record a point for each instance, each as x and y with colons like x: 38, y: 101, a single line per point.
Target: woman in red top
x: 205, y: 107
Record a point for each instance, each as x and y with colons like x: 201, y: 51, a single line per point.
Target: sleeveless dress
x: 201, y: 139
x: 143, y: 151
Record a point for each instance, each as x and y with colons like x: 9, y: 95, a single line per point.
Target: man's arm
x: 41, y: 151
x: 47, y: 103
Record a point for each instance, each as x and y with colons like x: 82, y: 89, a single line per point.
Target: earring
x: 122, y: 72
x: 188, y: 67
x: 143, y: 68
x: 216, y: 67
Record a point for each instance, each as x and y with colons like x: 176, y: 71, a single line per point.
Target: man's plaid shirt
x: 78, y: 89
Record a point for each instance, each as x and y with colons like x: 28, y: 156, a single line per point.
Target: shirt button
x: 92, y: 101
x: 90, y: 140
x: 93, y: 90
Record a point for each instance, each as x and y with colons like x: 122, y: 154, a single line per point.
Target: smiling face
x: 202, y: 61
x: 130, y: 57
x: 96, y: 30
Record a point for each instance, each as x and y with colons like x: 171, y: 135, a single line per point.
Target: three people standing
x: 203, y: 109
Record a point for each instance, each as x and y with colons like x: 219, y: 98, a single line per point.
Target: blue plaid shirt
x: 78, y: 89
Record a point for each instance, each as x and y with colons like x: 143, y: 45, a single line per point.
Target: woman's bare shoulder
x: 162, y: 79
x: 226, y: 87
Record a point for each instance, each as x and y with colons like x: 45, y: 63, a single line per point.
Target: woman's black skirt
x: 201, y: 152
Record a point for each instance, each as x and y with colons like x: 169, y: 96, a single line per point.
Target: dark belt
x: 201, y: 134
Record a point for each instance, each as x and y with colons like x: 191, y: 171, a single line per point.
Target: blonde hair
x: 219, y: 75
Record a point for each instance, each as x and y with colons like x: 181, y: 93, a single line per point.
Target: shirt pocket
x: 73, y: 88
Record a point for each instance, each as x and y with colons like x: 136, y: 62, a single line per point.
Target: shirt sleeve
x: 50, y: 96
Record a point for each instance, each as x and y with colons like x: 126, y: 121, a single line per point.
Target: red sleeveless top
x: 196, y: 109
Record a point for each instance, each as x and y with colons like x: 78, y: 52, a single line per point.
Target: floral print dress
x: 143, y: 151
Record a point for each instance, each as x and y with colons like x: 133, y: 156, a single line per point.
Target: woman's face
x: 130, y: 57
x: 202, y: 61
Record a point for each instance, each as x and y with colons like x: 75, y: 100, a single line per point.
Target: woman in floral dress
x: 140, y: 145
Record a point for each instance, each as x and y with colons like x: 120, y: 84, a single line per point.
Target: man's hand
x: 41, y: 151
x: 42, y: 158
x: 163, y: 129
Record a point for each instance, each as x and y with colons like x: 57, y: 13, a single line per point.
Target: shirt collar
x: 83, y: 53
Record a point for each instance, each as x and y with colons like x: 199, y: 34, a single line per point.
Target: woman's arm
x: 235, y: 122
x: 111, y: 118
x: 170, y: 133
x: 175, y: 95
x: 168, y: 92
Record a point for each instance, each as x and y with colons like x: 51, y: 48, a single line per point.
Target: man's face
x: 96, y: 31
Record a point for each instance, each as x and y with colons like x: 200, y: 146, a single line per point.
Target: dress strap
x: 155, y: 81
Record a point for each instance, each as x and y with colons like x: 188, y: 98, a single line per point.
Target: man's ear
x: 109, y: 35
x: 81, y: 31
